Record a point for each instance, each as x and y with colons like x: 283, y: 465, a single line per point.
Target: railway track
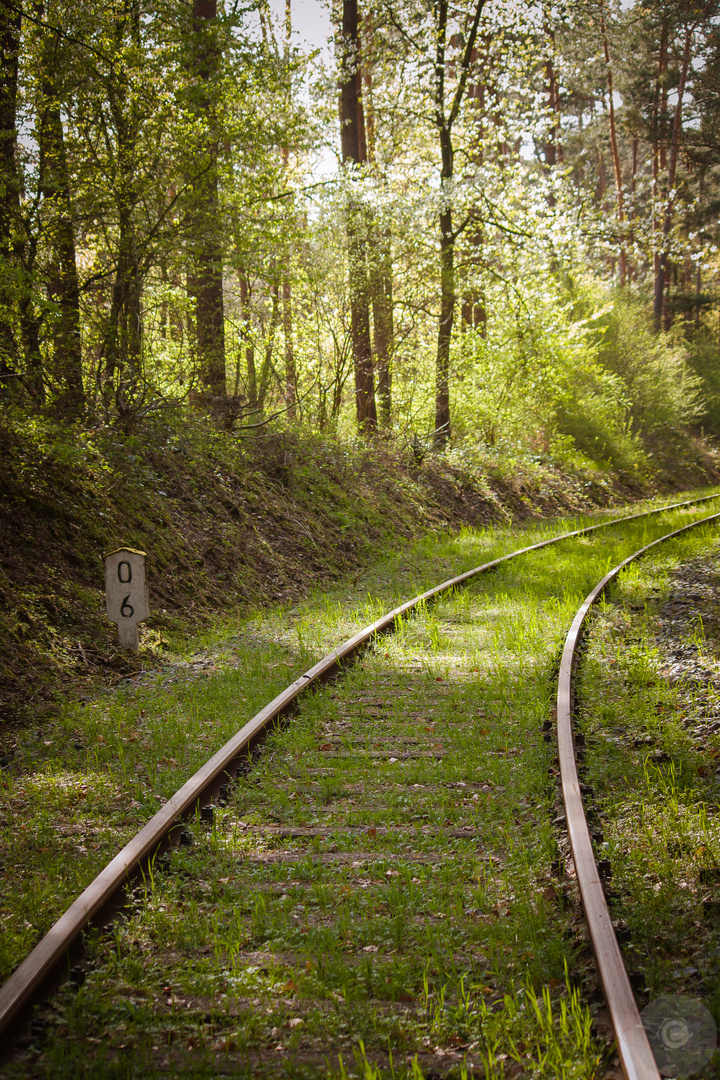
x: 636, y: 1055
x: 385, y: 729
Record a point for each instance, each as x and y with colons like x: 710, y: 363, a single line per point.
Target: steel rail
x: 636, y: 1056
x: 39, y: 971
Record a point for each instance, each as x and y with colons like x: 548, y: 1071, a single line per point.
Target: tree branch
x: 466, y: 61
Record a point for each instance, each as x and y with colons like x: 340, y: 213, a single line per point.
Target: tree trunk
x: 381, y: 287
x: 697, y: 284
x: 207, y: 278
x: 365, y: 407
x: 287, y: 318
x: 122, y: 345
x: 473, y: 311
x: 656, y: 141
x: 472, y: 308
x: 352, y: 137
x: 632, y: 213
x: 123, y: 339
x: 688, y: 286
x: 290, y: 388
x: 10, y: 24
x: 380, y: 275
x: 617, y: 168
x: 552, y: 150
x: 447, y: 312
x: 602, y: 180
x: 366, y: 96
x: 444, y: 120
x: 246, y: 338
x: 672, y: 169
x: 267, y: 365
x: 63, y: 287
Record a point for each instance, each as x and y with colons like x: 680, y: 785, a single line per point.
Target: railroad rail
x: 634, y: 1049
x: 42, y: 968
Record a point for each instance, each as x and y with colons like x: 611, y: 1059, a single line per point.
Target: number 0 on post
x: 126, y: 595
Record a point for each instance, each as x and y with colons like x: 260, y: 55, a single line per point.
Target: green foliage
x: 663, y: 393
x: 182, y: 149
x: 569, y: 371
x: 704, y: 359
x: 227, y: 523
x: 639, y: 391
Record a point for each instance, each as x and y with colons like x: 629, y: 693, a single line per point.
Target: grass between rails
x: 650, y: 698
x: 378, y: 891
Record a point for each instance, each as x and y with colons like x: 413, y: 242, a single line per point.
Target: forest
x: 488, y: 225
x: 304, y: 327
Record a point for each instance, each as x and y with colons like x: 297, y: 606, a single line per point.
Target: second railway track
x: 378, y: 891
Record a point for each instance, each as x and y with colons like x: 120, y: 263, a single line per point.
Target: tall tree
x: 353, y: 155
x: 380, y: 255
x: 122, y: 345
x: 381, y: 289
x: 480, y: 89
x: 290, y: 368
x: 247, y: 344
x: 667, y: 219
x: 444, y: 116
x: 205, y: 245
x: 614, y: 149
x: 10, y: 241
x: 63, y: 285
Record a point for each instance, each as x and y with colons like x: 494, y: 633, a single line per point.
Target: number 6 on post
x: 126, y: 595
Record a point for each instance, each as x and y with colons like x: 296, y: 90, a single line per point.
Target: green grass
x: 378, y: 892
x: 228, y: 524
x: 651, y: 760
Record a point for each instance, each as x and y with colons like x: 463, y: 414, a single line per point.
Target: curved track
x: 49, y: 960
x: 633, y: 1047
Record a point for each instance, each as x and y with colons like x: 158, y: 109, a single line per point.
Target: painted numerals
x: 126, y: 596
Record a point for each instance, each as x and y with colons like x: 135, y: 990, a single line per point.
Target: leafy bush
x: 568, y: 370
x: 704, y: 359
x: 662, y: 390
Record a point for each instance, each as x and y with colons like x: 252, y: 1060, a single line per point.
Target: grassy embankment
x: 382, y: 881
x: 228, y: 525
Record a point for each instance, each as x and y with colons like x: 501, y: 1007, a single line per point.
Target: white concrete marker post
x: 126, y: 595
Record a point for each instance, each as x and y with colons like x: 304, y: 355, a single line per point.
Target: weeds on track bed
x: 652, y: 760
x: 377, y: 897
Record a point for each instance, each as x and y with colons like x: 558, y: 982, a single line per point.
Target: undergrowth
x: 228, y: 525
